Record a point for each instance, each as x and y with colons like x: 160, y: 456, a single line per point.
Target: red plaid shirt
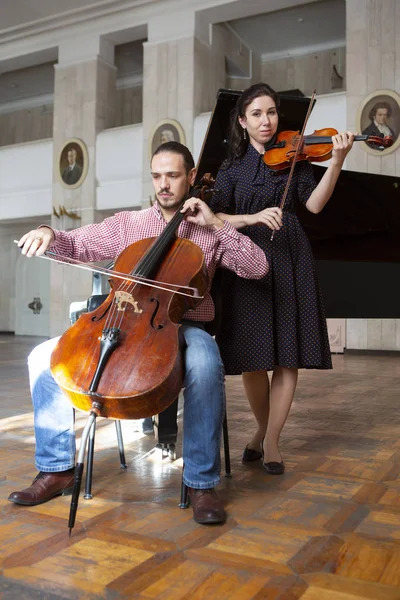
x: 224, y: 247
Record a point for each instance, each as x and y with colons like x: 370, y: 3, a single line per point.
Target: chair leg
x: 120, y: 445
x: 184, y: 503
x: 89, y: 464
x: 227, y: 454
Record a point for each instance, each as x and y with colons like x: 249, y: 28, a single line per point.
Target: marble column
x: 84, y: 104
x: 181, y: 74
x: 372, y: 63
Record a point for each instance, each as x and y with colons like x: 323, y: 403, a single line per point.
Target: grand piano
x: 355, y: 239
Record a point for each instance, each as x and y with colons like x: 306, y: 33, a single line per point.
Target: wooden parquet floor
x: 329, y: 529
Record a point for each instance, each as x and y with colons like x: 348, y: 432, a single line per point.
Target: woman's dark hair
x: 375, y: 107
x: 237, y: 143
x: 177, y: 148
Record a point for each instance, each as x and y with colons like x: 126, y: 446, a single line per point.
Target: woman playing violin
x: 276, y: 324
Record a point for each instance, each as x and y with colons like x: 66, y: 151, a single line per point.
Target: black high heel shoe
x: 273, y: 467
x: 250, y: 455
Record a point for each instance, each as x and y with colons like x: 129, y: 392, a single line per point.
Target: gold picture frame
x: 383, y: 105
x: 167, y: 130
x: 73, y: 163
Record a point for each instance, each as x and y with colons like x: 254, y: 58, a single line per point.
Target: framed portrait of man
x: 379, y: 116
x: 73, y: 163
x: 167, y: 130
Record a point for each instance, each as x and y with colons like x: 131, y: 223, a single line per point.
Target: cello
x: 123, y: 360
x: 124, y: 357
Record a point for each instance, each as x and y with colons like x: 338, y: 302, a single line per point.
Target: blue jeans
x: 204, y: 405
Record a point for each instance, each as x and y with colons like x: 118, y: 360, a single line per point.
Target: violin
x: 316, y: 147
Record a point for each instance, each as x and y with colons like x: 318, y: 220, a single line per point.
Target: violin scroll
x: 383, y: 143
x: 205, y: 187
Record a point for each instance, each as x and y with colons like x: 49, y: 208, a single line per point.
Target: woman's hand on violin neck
x: 36, y: 242
x: 271, y: 217
x: 342, y: 144
x: 198, y: 212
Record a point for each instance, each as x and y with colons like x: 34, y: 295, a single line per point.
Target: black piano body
x: 355, y: 239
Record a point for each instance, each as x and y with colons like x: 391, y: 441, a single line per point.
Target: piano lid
x: 293, y: 110
x: 362, y: 219
x: 355, y: 239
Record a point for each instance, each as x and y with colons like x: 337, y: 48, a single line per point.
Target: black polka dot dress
x: 278, y: 321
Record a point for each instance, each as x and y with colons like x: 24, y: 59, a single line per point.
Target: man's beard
x: 170, y: 203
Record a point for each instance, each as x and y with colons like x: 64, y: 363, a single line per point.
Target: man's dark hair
x: 375, y: 107
x: 177, y: 148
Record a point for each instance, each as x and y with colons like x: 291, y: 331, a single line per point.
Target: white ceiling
x: 283, y: 32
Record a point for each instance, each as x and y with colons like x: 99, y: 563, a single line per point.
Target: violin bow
x: 160, y: 285
x: 293, y: 165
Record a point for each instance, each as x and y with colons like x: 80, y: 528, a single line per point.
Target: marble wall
x: 307, y: 72
x: 373, y: 334
x: 129, y: 106
x: 36, y: 123
x: 27, y: 125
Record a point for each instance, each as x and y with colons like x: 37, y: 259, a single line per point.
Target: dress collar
x: 254, y: 165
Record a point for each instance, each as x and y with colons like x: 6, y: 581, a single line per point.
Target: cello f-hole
x: 96, y: 318
x: 153, y: 316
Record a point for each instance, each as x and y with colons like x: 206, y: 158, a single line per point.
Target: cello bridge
x: 124, y: 298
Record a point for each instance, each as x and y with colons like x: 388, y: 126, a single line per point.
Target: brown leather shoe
x: 207, y: 507
x: 44, y: 487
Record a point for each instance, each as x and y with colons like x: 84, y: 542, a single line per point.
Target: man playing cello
x: 173, y: 173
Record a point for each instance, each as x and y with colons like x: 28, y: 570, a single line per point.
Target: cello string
x: 147, y: 264
x: 171, y: 228
x: 145, y: 267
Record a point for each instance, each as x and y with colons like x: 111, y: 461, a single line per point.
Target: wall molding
x: 26, y: 103
x: 47, y: 100
x: 130, y: 81
x: 303, y: 50
x: 70, y: 17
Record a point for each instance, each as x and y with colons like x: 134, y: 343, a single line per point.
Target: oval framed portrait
x: 379, y: 116
x: 167, y: 130
x: 73, y: 163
